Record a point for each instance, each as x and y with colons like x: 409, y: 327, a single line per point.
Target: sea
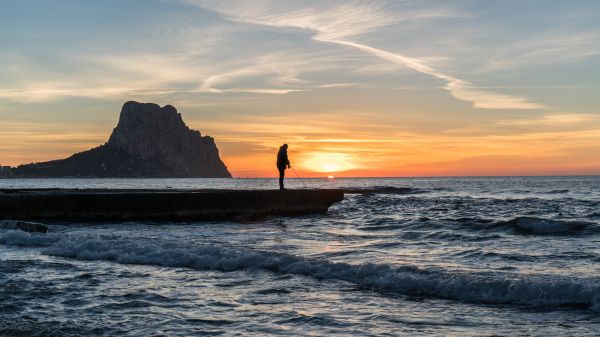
x: 473, y: 256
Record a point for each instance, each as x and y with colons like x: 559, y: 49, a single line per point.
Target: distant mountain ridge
x: 148, y: 141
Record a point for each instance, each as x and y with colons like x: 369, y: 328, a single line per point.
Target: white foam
x: 541, y: 290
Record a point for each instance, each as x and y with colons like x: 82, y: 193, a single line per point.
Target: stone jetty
x: 97, y: 205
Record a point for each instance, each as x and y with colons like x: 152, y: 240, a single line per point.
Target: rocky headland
x: 148, y: 141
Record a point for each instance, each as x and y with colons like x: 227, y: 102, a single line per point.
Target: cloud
x: 555, y: 120
x: 101, y: 75
x: 212, y: 57
x: 340, y: 22
x: 38, y: 92
x: 460, y: 89
x: 272, y: 64
x: 544, y: 48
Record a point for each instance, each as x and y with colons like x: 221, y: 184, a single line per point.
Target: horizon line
x: 325, y: 177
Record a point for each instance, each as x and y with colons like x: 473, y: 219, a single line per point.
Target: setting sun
x: 329, y: 162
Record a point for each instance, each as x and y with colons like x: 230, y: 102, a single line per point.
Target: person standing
x: 282, y: 163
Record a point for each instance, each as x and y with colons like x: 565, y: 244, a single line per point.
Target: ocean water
x: 415, y: 256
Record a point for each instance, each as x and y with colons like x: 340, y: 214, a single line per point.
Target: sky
x: 356, y: 88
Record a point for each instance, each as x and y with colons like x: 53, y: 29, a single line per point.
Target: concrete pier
x: 91, y: 205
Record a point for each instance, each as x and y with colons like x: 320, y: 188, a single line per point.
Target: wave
x: 526, y: 290
x: 542, y: 226
x: 20, y: 238
x: 384, y: 190
x: 529, y: 225
x: 434, y: 228
x: 593, y: 215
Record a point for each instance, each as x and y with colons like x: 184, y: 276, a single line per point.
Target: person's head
x: 285, y: 146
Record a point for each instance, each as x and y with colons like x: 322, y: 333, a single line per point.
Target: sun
x: 331, y: 167
x: 329, y: 162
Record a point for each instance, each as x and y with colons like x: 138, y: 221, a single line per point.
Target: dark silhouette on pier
x: 282, y: 163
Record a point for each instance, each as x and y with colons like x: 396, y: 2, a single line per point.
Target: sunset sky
x: 356, y: 88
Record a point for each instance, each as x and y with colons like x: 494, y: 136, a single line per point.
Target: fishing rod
x: 297, y: 176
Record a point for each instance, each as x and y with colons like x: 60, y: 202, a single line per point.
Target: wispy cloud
x: 460, y: 89
x: 548, y: 47
x: 284, y: 72
x: 555, y: 120
x: 340, y: 22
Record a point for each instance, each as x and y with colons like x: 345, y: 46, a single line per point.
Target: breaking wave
x: 526, y: 290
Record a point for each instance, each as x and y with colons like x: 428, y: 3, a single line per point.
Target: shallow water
x: 422, y: 256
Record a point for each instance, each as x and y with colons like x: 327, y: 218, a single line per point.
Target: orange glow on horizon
x: 411, y: 155
x: 353, y: 147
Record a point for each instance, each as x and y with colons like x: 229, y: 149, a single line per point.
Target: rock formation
x: 149, y: 141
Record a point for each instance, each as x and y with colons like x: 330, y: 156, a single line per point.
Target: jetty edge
x: 99, y: 205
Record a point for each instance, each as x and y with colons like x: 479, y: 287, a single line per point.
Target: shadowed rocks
x: 149, y: 141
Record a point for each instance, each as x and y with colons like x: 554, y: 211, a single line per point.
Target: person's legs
x: 281, y: 177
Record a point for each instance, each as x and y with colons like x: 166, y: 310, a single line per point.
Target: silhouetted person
x: 282, y: 163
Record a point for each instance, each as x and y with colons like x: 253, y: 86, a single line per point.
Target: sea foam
x: 527, y: 290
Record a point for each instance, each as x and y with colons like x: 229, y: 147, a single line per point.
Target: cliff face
x: 149, y: 141
x: 152, y: 133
